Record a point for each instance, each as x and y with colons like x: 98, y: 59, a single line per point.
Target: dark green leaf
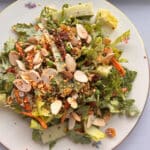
x: 78, y: 137
x: 9, y: 45
x: 52, y: 144
x: 47, y: 12
x: 83, y: 110
x: 36, y: 135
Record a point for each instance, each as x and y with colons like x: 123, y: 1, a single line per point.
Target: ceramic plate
x: 15, y: 133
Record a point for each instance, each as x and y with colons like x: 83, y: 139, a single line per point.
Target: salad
x: 65, y: 75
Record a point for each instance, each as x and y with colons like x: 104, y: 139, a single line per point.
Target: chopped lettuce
x: 78, y: 137
x: 35, y: 125
x: 104, y: 71
x: 36, y: 135
x: 122, y: 38
x: 9, y: 45
x: 112, y: 86
x: 2, y: 99
x: 53, y: 133
x: 132, y: 111
x: 4, y: 61
x: 47, y: 12
x: 104, y: 16
x: 26, y: 30
x: 94, y: 133
x: 41, y: 110
x: 58, y: 59
x: 6, y: 82
x: 52, y: 144
x: 80, y: 10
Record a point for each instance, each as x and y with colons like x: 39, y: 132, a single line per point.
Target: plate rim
x: 148, y: 63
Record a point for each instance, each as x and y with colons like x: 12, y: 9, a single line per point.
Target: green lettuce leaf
x: 53, y: 133
x: 78, y: 137
x: 94, y: 133
x: 6, y: 82
x: 26, y: 30
x: 47, y: 12
x: 2, y: 99
x: 35, y: 125
x: 9, y: 45
x: 122, y: 38
x: 36, y: 135
x: 41, y: 110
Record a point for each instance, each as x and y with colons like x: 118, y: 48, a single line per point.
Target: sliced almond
x: 25, y: 76
x: 13, y: 56
x: 37, y: 66
x: 89, y: 39
x: 44, y: 52
x: 72, y: 102
x: 33, y: 40
x: 29, y: 48
x: 80, y: 76
x: 22, y: 85
x: 90, y: 120
x: 37, y: 58
x: 21, y: 65
x: 81, y: 31
x: 30, y: 76
x: 47, y: 36
x: 76, y: 116
x: 56, y: 107
x: 71, y: 123
x: 75, y: 42
x: 99, y: 122
x: 34, y: 76
x: 47, y: 73
x: 107, y: 58
x: 70, y: 63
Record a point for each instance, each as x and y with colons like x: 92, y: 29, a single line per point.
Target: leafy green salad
x: 65, y: 75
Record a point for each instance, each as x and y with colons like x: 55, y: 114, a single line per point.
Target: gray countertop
x: 138, y: 11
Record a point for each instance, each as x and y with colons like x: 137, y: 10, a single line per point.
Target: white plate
x: 15, y: 132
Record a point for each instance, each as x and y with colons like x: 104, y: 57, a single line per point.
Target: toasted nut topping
x: 80, y: 76
x: 29, y: 48
x: 21, y: 65
x: 22, y: 85
x: 70, y: 63
x: 56, y: 106
x: 37, y: 58
x: 76, y: 116
x: 72, y: 102
x: 82, y: 33
x: 13, y: 56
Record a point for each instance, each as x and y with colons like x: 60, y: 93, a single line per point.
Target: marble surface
x: 138, y: 11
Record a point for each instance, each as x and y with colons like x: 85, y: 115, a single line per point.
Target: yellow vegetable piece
x: 106, y: 17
